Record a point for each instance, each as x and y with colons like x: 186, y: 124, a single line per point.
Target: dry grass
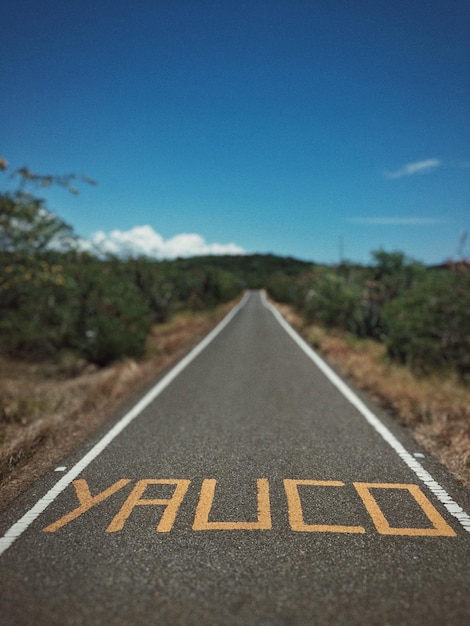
x: 47, y: 409
x: 435, y: 408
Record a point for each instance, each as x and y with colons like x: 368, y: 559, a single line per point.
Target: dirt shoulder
x: 47, y: 410
x: 436, y: 409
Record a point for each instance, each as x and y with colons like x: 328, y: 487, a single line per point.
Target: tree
x: 28, y: 228
x: 26, y: 225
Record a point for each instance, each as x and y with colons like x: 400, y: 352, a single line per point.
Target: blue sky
x: 296, y: 127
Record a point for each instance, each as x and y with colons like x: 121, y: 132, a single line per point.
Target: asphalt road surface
x: 247, y: 487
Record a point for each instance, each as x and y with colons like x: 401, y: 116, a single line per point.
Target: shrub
x: 113, y: 317
x: 428, y: 326
x: 333, y: 301
x: 37, y: 305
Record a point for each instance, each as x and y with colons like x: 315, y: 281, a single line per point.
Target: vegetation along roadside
x: 48, y: 408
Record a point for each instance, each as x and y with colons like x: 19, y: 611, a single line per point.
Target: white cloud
x: 395, y: 221
x: 418, y: 167
x: 145, y: 241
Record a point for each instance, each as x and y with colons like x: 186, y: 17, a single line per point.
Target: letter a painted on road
x: 172, y: 504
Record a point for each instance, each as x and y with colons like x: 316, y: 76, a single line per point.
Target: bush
x: 113, y: 319
x: 333, y: 301
x: 37, y: 305
x: 428, y: 326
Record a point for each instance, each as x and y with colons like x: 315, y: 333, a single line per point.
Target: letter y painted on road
x: 87, y: 501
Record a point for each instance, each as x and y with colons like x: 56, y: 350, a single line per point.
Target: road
x: 249, y: 486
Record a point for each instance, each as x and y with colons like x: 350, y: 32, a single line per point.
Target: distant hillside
x: 254, y: 271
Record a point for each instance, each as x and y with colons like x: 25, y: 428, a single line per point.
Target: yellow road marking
x: 201, y: 520
x: 294, y: 505
x: 87, y: 501
x: 440, y: 527
x: 134, y: 499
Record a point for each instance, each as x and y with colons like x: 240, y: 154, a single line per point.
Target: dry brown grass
x: 47, y: 409
x: 435, y: 408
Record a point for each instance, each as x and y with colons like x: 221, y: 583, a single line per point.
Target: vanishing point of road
x: 249, y: 486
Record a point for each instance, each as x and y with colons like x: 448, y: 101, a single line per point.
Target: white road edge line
x: 440, y: 493
x: 28, y: 518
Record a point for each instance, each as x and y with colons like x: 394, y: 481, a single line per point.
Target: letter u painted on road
x: 201, y: 521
